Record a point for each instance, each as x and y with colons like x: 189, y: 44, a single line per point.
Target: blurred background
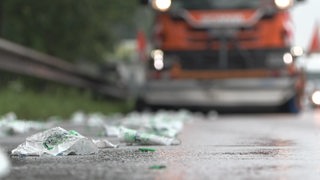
x: 306, y: 22
x: 86, y: 53
x: 87, y: 35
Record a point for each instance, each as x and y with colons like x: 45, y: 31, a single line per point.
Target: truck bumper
x: 219, y: 93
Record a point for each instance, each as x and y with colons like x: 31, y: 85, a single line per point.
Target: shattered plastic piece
x: 96, y: 120
x: 5, y: 164
x: 78, y: 118
x: 213, y: 115
x: 103, y: 143
x: 157, y: 167
x: 56, y: 141
x: 91, y: 120
x: 111, y: 131
x: 162, y: 123
x: 131, y: 136
x: 10, y: 125
x: 147, y: 150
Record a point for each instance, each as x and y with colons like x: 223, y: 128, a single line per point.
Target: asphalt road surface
x: 246, y: 146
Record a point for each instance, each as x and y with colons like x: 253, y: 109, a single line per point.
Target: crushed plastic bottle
x: 131, y: 136
x: 5, y: 164
x: 56, y: 141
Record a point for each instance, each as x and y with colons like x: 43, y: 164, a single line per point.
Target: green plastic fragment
x: 147, y: 150
x: 157, y: 167
x: 54, y: 140
x: 73, y: 132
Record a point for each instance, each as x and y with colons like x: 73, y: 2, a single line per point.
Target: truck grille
x: 209, y: 60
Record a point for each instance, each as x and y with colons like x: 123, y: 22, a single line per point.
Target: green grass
x: 62, y: 102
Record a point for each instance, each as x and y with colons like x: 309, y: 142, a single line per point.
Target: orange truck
x: 222, y: 54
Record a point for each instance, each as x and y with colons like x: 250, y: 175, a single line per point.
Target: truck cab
x: 222, y: 54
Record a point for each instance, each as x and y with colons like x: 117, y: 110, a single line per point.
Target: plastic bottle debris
x: 212, y: 115
x: 91, y: 120
x: 131, y: 136
x: 103, y: 143
x: 157, y: 167
x: 78, y: 118
x: 162, y: 123
x: 5, y: 164
x: 10, y: 125
x: 147, y: 149
x: 160, y: 128
x: 111, y: 131
x: 56, y: 141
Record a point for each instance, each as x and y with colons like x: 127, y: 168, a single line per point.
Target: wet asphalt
x: 246, y: 146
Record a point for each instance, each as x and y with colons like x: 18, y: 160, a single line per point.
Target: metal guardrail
x: 21, y: 60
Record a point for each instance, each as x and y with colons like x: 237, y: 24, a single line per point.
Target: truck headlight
x: 161, y: 5
x: 315, y: 97
x: 297, y: 51
x: 283, y: 4
x: 157, y: 56
x: 287, y: 58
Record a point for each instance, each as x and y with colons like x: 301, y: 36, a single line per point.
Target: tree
x: 70, y: 29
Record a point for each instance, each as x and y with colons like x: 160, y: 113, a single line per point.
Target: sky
x: 305, y: 15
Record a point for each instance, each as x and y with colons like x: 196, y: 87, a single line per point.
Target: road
x: 245, y: 146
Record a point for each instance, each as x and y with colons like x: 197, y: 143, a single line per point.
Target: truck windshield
x: 218, y: 4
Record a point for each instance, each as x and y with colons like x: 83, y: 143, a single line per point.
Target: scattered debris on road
x: 145, y: 149
x: 59, y: 142
x: 131, y: 136
x: 103, y: 143
x: 10, y: 125
x: 91, y: 120
x: 147, y: 128
x: 111, y: 131
x: 157, y: 167
x: 162, y: 123
x: 5, y: 164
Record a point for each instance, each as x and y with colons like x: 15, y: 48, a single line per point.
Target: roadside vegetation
x: 76, y: 31
x: 83, y: 30
x: 35, y: 99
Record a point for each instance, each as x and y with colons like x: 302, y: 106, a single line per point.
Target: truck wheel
x: 140, y: 105
x: 293, y: 105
